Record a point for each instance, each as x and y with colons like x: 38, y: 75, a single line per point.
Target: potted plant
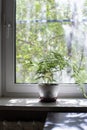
x: 52, y: 64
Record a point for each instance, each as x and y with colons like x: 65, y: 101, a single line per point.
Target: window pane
x: 44, y: 26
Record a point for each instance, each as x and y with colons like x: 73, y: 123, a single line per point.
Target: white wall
x: 0, y: 47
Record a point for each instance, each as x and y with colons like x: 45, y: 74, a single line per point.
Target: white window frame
x: 9, y: 87
x: 0, y: 48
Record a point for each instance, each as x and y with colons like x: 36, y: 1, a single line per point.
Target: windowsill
x: 34, y: 104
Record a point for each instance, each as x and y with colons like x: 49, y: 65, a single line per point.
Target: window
x: 32, y: 28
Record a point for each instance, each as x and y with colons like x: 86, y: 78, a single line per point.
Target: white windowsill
x: 34, y: 104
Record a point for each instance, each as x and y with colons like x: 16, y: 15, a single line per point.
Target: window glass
x: 50, y: 25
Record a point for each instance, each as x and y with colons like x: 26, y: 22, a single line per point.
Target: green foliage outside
x: 36, y: 39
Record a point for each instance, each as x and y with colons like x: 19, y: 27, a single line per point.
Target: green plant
x: 54, y: 62
x: 80, y: 77
x: 51, y: 63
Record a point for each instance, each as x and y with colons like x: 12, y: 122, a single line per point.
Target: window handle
x: 8, y: 28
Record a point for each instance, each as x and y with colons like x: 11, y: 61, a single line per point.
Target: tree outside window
x: 48, y: 25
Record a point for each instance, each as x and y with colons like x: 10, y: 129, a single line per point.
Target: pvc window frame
x: 10, y: 88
